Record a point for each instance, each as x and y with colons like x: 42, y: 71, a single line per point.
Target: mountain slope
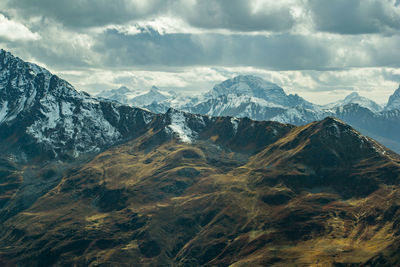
x: 383, y: 126
x: 275, y: 198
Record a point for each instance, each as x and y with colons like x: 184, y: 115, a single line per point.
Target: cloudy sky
x: 319, y: 49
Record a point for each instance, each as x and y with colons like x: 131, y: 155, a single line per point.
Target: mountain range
x: 252, y: 97
x: 89, y: 181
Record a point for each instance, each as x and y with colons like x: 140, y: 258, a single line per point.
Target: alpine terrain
x: 90, y: 181
x: 252, y: 97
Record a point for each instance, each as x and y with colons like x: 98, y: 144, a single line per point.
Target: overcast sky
x: 320, y: 49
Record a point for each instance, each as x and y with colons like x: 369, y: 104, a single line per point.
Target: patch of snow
x: 180, y: 128
x: 235, y: 125
x: 336, y: 130
x: 3, y: 111
x: 147, y: 117
x: 66, y: 108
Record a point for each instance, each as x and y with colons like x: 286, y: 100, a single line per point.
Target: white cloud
x: 14, y: 31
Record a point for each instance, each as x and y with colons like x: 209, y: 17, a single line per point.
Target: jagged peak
x: 154, y: 89
x: 172, y: 111
x: 7, y: 53
x: 326, y: 144
x: 352, y: 96
x: 33, y: 68
x: 123, y: 88
x: 356, y: 98
x: 332, y: 119
x: 337, y: 128
x: 332, y: 128
x: 250, y: 80
x: 397, y: 91
x: 394, y: 100
x: 249, y: 85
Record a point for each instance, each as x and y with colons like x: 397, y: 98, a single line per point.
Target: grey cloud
x: 389, y: 75
x: 150, y: 49
x: 355, y: 16
x: 88, y: 13
x: 238, y: 15
x: 57, y: 48
x: 339, y: 16
x: 210, y: 14
x: 56, y: 59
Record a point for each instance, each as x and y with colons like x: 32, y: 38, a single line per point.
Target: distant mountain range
x: 252, y: 97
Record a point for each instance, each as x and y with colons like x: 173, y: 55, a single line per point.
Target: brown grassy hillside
x: 320, y: 195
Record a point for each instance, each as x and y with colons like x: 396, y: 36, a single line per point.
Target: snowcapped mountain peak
x: 6, y: 55
x: 352, y: 96
x: 23, y: 85
x: 247, y: 85
x: 256, y: 88
x: 138, y: 98
x: 115, y: 93
x: 154, y: 89
x: 394, y: 100
x: 122, y: 89
x: 48, y: 117
x: 355, y: 98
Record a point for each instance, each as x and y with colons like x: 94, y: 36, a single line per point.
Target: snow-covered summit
x: 258, y: 88
x: 247, y: 85
x: 45, y: 115
x: 148, y: 97
x: 112, y: 92
x: 138, y: 98
x: 394, y: 100
x: 355, y: 98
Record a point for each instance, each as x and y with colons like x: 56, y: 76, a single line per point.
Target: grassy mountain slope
x: 318, y: 194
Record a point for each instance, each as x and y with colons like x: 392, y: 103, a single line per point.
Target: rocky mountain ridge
x: 42, y: 114
x: 227, y: 192
x: 252, y: 97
